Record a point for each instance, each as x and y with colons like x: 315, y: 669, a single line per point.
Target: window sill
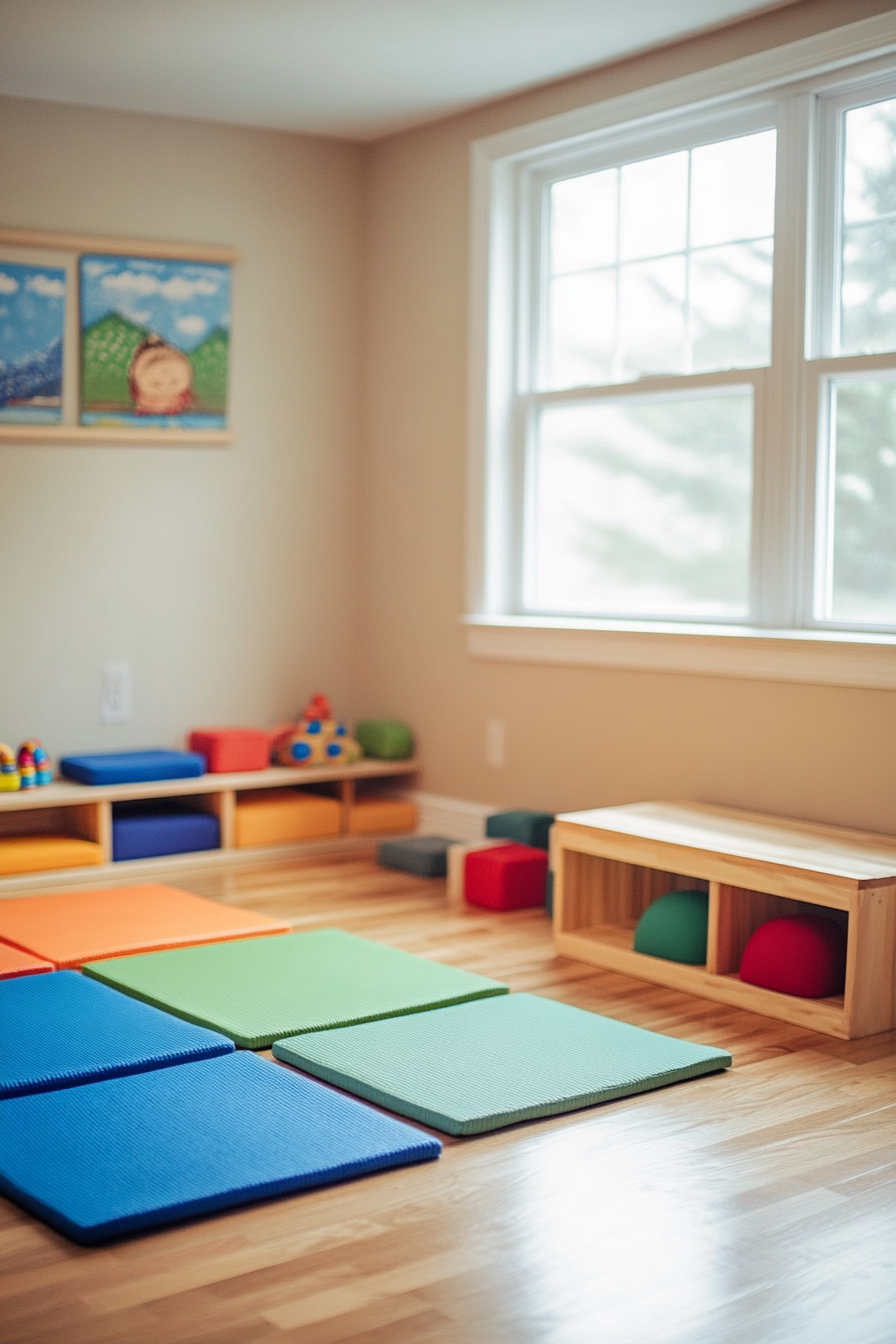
x: 815, y: 656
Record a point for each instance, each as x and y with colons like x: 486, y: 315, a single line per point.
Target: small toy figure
x: 160, y: 378
x: 43, y: 770
x: 10, y: 780
x: 317, y: 739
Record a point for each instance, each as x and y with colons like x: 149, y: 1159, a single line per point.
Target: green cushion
x: 386, y: 739
x: 674, y: 927
x: 483, y: 1065
x: 255, y: 990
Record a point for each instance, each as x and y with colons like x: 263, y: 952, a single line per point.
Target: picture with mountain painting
x: 155, y: 340
x: 32, y: 326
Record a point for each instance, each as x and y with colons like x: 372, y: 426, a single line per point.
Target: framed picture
x: 155, y: 341
x: 110, y: 340
x: 32, y: 339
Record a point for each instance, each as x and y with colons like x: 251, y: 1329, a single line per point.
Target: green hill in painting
x: 209, y: 361
x: 107, y: 347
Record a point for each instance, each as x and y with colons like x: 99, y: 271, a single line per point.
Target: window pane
x: 653, y: 207
x: 583, y: 222
x: 868, y: 242
x: 731, y: 306
x: 862, y: 531
x: 642, y: 508
x: 733, y: 190
x: 651, y: 317
x: 583, y: 328
x: 685, y: 287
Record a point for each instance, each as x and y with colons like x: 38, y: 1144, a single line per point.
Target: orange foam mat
x: 69, y: 928
x: 13, y: 961
x: 35, y: 853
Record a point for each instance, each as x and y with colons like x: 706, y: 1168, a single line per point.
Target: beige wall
x: 575, y: 738
x: 227, y: 577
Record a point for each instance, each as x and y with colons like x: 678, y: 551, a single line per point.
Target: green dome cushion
x: 674, y: 927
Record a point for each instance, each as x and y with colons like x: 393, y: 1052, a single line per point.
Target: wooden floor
x: 743, y: 1208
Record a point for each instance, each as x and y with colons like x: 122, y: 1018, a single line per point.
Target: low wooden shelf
x: 85, y: 811
x: 611, y: 862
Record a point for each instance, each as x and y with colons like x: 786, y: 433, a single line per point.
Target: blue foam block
x: 61, y: 1029
x: 132, y: 767
x: 146, y: 830
x: 114, y: 1157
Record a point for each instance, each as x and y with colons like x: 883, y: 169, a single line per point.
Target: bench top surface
x: 809, y: 846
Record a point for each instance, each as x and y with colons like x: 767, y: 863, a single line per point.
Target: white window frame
x: 786, y: 642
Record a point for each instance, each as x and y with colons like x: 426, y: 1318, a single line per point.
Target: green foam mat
x: 480, y: 1066
x: 255, y: 990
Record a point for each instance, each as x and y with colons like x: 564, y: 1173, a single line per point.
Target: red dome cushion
x: 800, y: 954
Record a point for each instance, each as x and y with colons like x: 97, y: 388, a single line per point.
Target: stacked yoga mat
x: 125, y: 1103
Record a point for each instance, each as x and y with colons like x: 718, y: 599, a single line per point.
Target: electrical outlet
x: 115, y: 693
x: 494, y: 743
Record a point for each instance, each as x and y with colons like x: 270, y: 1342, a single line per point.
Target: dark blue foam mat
x: 61, y: 1029
x: 115, y: 1157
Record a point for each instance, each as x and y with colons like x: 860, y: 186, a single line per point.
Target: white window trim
x: 779, y: 653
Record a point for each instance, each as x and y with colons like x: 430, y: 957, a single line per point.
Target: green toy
x: 385, y: 739
x: 674, y: 927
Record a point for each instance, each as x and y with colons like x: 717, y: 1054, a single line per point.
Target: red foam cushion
x: 505, y: 877
x: 231, y: 749
x: 799, y: 954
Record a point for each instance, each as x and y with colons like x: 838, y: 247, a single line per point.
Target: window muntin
x: 662, y: 266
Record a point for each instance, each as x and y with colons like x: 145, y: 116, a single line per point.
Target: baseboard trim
x: 455, y: 818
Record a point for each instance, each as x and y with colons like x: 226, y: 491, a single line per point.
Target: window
x: 687, y: 361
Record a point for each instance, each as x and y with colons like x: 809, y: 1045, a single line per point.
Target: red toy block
x: 505, y: 877
x: 232, y: 749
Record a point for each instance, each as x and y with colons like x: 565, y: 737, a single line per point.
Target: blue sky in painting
x: 32, y: 309
x: 181, y: 301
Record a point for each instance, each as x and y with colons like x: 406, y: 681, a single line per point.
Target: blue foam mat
x: 62, y: 1029
x: 132, y: 767
x: 115, y: 1157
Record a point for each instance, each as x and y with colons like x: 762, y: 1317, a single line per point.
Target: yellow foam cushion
x: 372, y: 816
x: 279, y: 816
x: 33, y: 853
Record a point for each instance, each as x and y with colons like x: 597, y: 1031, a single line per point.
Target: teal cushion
x: 674, y: 927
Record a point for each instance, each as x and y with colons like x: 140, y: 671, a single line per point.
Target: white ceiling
x: 353, y: 68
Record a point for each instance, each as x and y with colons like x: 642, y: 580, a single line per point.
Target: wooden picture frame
x: 157, y: 343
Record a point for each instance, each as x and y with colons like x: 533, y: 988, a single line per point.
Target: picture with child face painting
x: 155, y: 339
x: 32, y: 328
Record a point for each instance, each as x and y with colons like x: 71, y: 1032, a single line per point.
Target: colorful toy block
x: 527, y: 828
x: 425, y: 855
x: 229, y: 750
x: 507, y: 877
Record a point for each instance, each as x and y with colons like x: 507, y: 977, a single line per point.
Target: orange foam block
x: 373, y: 816
x: 279, y: 816
x: 72, y: 927
x: 15, y: 962
x: 36, y: 853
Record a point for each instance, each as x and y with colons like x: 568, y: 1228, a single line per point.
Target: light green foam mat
x: 479, y: 1066
x: 255, y: 990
